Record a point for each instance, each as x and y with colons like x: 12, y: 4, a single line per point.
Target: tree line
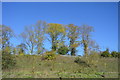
x: 34, y: 36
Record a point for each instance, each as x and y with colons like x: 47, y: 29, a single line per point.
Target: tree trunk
x: 86, y: 49
x: 73, y: 51
x: 54, y: 44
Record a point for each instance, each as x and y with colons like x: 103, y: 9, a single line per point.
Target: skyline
x: 102, y: 16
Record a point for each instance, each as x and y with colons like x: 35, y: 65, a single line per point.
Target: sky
x: 103, y: 16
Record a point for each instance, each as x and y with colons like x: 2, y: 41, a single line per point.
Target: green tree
x: 73, y: 35
x: 63, y: 50
x: 86, y: 33
x: 56, y: 33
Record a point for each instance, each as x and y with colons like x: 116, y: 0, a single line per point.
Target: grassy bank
x: 62, y: 66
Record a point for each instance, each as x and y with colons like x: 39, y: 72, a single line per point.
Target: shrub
x: 114, y: 54
x: 50, y: 55
x: 63, y: 50
x: 90, y: 60
x: 8, y: 60
x: 93, y: 58
x: 105, y: 53
x: 80, y: 61
x: 118, y: 54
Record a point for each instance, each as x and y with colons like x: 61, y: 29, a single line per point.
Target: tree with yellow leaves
x: 56, y: 33
x: 73, y: 35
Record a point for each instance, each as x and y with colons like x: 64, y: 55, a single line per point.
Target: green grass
x: 65, y: 67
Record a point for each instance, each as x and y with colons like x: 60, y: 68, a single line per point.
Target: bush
x: 105, y: 54
x: 50, y: 55
x: 114, y: 54
x: 80, y: 61
x: 93, y: 58
x: 8, y: 61
x: 90, y: 60
x: 63, y: 50
x: 118, y: 54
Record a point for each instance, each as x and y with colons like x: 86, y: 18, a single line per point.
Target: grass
x: 62, y: 66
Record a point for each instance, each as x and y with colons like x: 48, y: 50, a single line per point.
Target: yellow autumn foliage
x: 54, y: 28
x: 74, y: 45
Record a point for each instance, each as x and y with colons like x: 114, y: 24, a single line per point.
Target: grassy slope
x: 65, y: 67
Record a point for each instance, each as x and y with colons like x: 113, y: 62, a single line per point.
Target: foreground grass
x: 63, y: 66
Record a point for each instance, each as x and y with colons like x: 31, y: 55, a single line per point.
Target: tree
x: 7, y: 34
x: 33, y: 37
x: 73, y: 35
x: 56, y: 33
x: 29, y: 38
x: 40, y: 29
x: 63, y: 50
x: 86, y: 33
x: 7, y: 59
